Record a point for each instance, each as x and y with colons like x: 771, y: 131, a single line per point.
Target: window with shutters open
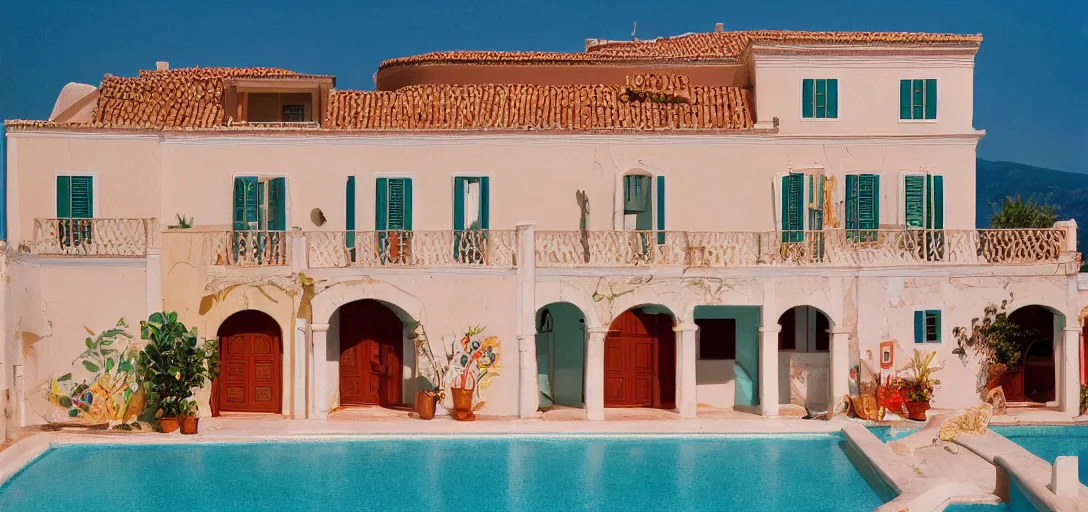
x: 927, y: 326
x: 260, y: 204
x: 918, y: 99
x: 393, y: 219
x: 75, y: 200
x: 923, y: 201
x: 820, y: 98
x: 471, y: 212
x: 862, y: 207
x: 793, y: 207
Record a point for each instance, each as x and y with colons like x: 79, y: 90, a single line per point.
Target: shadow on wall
x: 727, y: 356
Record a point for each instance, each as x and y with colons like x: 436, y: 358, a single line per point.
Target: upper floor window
x: 75, y: 197
x: 801, y: 202
x: 471, y: 198
x: 862, y: 207
x: 820, y: 98
x: 923, y: 201
x: 918, y: 99
x: 393, y: 204
x: 639, y: 205
x: 260, y: 203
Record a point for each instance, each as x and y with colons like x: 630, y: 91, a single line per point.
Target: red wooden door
x: 639, y: 362
x: 250, y: 373
x: 370, y: 355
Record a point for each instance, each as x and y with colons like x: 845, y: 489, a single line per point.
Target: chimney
x: 590, y: 43
x: 719, y: 27
x: 162, y: 65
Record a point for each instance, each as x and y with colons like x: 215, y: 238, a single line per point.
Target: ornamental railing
x: 468, y: 248
x: 833, y: 248
x: 250, y: 248
x: 95, y: 237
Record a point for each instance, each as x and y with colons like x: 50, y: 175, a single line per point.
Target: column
x: 299, y: 382
x: 768, y: 369
x: 595, y: 373
x: 153, y: 280
x: 318, y: 403
x: 1069, y: 385
x: 525, y: 303
x: 839, y: 370
x: 686, y: 402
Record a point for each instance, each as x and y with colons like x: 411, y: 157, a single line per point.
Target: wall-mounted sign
x: 887, y: 355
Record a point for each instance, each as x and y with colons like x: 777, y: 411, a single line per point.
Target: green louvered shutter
x: 807, y: 97
x: 64, y: 197
x: 485, y: 203
x: 936, y: 316
x: 793, y: 188
x: 349, y: 213
x: 868, y: 201
x: 406, y: 183
x: 458, y: 204
x: 832, y: 98
x: 918, y: 99
x: 821, y: 99
x: 937, y: 195
x: 381, y: 204
x: 661, y: 210
x: 919, y: 326
x: 245, y: 202
x: 82, y: 197
x: 904, y: 99
x: 931, y: 99
x: 851, y: 202
x: 277, y: 204
x: 914, y: 200
x: 396, y: 219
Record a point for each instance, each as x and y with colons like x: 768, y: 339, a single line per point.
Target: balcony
x: 829, y: 248
x: 469, y: 248
x: 95, y: 237
x: 253, y: 248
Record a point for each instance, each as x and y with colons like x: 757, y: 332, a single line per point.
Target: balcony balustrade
x: 95, y: 237
x: 468, y: 248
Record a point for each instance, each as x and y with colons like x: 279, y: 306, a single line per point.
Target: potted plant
x: 1000, y: 342
x: 918, y: 389
x: 475, y: 362
x: 427, y: 400
x: 172, y: 364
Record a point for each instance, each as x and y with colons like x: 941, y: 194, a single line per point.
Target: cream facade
x: 757, y: 302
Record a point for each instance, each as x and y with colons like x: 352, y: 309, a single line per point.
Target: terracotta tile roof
x: 535, y: 107
x: 710, y: 46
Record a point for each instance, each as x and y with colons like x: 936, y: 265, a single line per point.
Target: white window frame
x: 617, y: 203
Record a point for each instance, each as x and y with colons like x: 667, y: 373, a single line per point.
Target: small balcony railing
x: 833, y: 248
x: 251, y: 248
x: 468, y: 248
x: 95, y: 237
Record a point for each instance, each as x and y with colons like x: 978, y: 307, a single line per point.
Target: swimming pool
x: 796, y: 472
x: 1050, y: 442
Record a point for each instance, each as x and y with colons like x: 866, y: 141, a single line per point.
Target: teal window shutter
x: 851, y: 201
x: 937, y: 194
x: 64, y: 197
x: 349, y: 213
x: 821, y: 99
x: 934, y: 326
x: 904, y: 99
x: 485, y: 203
x: 82, y: 197
x: 381, y: 205
x: 458, y: 204
x: 793, y: 188
x: 913, y: 200
x: 661, y: 210
x: 832, y: 98
x: 868, y: 201
x: 918, y: 99
x: 277, y: 204
x: 396, y: 214
x: 407, y: 203
x: 808, y: 98
x: 245, y: 202
x: 931, y: 99
x: 919, y: 326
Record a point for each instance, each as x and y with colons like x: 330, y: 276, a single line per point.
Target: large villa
x: 720, y: 233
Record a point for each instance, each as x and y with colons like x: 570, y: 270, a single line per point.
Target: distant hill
x: 1067, y: 192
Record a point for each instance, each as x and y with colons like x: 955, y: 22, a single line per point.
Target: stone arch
x: 406, y: 305
x: 639, y: 169
x: 631, y: 301
x: 580, y: 301
x: 561, y: 331
x: 252, y: 366
x: 232, y: 308
x: 640, y: 358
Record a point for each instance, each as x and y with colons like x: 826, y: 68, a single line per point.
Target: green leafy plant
x: 920, y: 385
x: 173, y: 363
x: 1083, y: 399
x: 183, y: 223
x: 1015, y: 213
x: 999, y: 340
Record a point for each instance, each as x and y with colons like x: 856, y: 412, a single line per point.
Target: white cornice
x: 801, y: 60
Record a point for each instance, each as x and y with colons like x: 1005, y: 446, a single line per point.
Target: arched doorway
x: 560, y: 355
x: 640, y: 360
x: 1038, y: 379
x: 250, y: 365
x: 371, y: 354
x: 804, y: 358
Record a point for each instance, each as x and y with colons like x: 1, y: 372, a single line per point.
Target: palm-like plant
x: 173, y: 363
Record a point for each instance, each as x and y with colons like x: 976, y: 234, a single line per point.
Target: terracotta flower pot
x: 168, y: 425
x: 462, y: 404
x: 425, y: 404
x: 917, y: 410
x: 189, y: 424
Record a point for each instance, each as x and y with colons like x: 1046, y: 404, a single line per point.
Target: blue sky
x: 1031, y: 76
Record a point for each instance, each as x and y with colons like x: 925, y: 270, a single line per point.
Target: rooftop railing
x: 95, y: 237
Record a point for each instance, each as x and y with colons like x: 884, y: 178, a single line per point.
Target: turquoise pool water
x: 754, y: 473
x: 1048, y: 443
x: 888, y: 433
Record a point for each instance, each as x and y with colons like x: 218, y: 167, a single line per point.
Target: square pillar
x: 768, y: 369
x: 318, y: 402
x: 685, y: 370
x: 525, y: 311
x: 595, y: 373
x: 839, y: 370
x: 154, y: 280
x: 1069, y: 373
x: 301, y: 371
x: 528, y: 388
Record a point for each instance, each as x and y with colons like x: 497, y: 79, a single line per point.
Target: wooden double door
x: 251, y: 365
x: 640, y: 361
x: 371, y: 341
